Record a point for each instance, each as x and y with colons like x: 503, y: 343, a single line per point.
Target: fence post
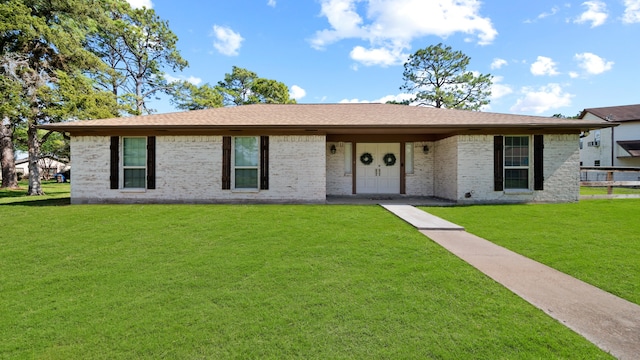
x: 609, y: 179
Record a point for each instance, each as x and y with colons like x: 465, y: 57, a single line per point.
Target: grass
x: 249, y: 282
x: 597, y: 241
x: 55, y: 194
x: 584, y: 190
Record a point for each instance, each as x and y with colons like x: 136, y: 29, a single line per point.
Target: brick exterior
x: 446, y: 168
x: 475, y: 172
x: 302, y: 170
x: 339, y: 182
x: 188, y: 170
x: 421, y: 182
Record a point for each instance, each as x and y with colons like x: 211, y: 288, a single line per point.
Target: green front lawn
x: 251, y: 282
x: 55, y: 194
x: 597, y: 241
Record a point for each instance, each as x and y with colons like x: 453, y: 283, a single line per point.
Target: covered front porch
x: 379, y: 168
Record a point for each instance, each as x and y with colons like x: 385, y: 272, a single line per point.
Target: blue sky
x: 546, y: 57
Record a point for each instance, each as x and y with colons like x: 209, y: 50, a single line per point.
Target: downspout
x: 612, y: 146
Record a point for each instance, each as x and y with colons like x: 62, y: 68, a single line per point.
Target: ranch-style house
x: 304, y: 153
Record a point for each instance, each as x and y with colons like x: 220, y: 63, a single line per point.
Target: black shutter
x: 498, y: 163
x: 114, y: 165
x: 226, y: 162
x: 538, y: 162
x: 151, y: 162
x: 264, y: 162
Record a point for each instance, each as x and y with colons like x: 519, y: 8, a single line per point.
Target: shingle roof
x: 325, y: 117
x: 616, y: 113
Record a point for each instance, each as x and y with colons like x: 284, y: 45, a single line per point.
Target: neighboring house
x: 302, y: 153
x: 612, y: 146
x: 49, y: 166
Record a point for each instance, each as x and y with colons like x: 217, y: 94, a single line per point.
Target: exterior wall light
x: 425, y: 149
x: 333, y: 149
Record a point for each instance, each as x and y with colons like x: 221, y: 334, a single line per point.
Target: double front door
x: 378, y: 168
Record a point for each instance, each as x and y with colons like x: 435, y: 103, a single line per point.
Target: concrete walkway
x: 611, y: 323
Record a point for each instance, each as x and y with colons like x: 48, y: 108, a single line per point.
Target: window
x: 137, y: 169
x: 245, y: 162
x: 512, y: 162
x: 246, y: 157
x: 408, y: 158
x: 516, y: 162
x: 347, y: 158
x: 134, y: 162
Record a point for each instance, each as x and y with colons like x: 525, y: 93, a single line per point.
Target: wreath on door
x: 366, y: 158
x: 389, y: 159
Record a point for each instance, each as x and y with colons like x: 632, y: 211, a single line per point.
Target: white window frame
x: 124, y: 167
x: 235, y: 167
x: 527, y: 167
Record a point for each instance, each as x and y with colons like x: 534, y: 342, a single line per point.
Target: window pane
x: 516, y: 178
x: 246, y: 151
x: 135, y: 151
x: 347, y: 158
x: 516, y: 151
x: 134, y: 178
x: 408, y: 158
x: 246, y: 178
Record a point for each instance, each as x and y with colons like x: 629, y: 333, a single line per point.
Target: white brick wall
x: 446, y: 168
x: 338, y: 182
x: 302, y: 169
x: 561, y: 171
x: 189, y: 169
x: 421, y: 182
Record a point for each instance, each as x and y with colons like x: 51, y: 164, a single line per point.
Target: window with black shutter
x: 133, y: 159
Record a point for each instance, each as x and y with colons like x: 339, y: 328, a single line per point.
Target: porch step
x: 421, y: 220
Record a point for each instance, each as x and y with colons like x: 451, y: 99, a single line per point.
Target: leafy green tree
x: 270, y: 92
x: 39, y: 41
x: 236, y: 86
x: 438, y: 77
x: 11, y: 109
x: 243, y: 87
x: 137, y: 45
x: 191, y: 97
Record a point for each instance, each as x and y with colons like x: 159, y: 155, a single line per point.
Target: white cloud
x: 227, y: 41
x: 631, y: 12
x: 544, y: 66
x: 296, y: 92
x: 381, y: 56
x: 171, y: 78
x: 137, y: 4
x: 596, y: 13
x: 542, y: 99
x: 554, y: 10
x: 271, y: 3
x: 498, y: 63
x: 192, y: 79
x: 592, y: 63
x: 382, y: 100
x: 499, y: 90
x: 393, y: 24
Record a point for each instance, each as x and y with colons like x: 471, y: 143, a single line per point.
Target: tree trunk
x: 35, y: 187
x: 7, y: 157
x: 139, y: 99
